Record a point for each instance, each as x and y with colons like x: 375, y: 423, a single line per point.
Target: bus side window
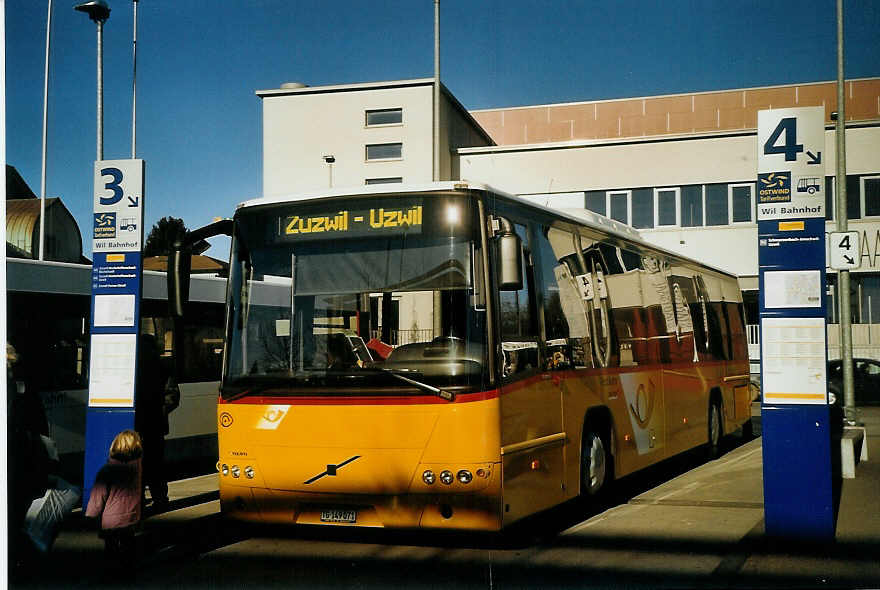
x: 519, y: 342
x: 565, y: 312
x: 719, y: 336
x: 739, y: 344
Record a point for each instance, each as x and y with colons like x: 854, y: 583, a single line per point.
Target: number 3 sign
x: 118, y: 206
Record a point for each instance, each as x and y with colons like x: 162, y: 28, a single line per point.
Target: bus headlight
x: 249, y: 472
x: 465, y: 476
x: 428, y: 477
x: 224, y: 469
x: 236, y: 471
x: 446, y: 477
x: 832, y: 398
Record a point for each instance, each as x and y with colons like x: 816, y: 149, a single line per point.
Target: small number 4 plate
x: 339, y: 516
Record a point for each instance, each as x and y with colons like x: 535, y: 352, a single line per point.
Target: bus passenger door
x: 532, y: 437
x: 684, y: 384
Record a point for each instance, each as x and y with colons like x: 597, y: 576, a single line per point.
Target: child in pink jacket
x: 116, y: 496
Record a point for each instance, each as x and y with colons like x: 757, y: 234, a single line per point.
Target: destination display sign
x: 351, y: 223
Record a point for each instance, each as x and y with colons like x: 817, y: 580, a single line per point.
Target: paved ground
x: 703, y: 528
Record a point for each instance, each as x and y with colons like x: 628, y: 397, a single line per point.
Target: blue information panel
x: 115, y: 309
x: 115, y: 292
x: 791, y: 255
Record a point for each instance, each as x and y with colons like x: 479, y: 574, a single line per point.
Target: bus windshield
x: 362, y: 296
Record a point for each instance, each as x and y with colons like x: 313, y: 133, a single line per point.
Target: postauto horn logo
x: 774, y: 187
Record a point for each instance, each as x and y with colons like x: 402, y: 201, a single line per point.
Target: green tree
x: 163, y: 235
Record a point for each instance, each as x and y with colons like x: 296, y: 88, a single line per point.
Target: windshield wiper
x: 441, y: 393
x: 266, y: 384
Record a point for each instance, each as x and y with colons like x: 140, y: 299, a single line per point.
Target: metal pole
x: 45, y: 133
x: 100, y: 151
x: 436, y: 90
x: 843, y: 275
x: 134, y: 82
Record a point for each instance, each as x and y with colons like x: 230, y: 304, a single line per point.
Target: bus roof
x: 579, y: 216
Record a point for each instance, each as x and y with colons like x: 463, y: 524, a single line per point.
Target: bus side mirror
x: 509, y: 261
x: 179, y: 262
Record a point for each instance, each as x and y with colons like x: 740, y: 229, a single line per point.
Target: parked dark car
x: 866, y: 381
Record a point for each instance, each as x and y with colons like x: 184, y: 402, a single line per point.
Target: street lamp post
x: 436, y: 93
x: 99, y: 12
x: 330, y: 159
x: 45, y: 133
x: 134, y: 80
x: 843, y: 278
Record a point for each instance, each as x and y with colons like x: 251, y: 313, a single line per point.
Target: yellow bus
x: 448, y: 356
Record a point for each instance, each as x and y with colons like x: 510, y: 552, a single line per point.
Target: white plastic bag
x: 45, y: 515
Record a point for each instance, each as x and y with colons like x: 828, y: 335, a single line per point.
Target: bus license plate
x: 338, y: 515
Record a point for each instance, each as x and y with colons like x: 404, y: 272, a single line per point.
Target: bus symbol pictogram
x: 808, y: 185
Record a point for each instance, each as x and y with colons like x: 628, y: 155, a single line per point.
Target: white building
x: 679, y: 168
x: 315, y: 137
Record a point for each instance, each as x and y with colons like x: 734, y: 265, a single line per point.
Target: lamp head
x: 98, y: 10
x: 329, y: 159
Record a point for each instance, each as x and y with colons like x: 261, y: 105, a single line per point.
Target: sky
x: 199, y: 63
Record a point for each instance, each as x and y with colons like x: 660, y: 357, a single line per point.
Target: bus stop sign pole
x: 115, y: 308
x: 791, y: 265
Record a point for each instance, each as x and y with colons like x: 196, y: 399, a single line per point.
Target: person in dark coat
x: 29, y: 463
x: 151, y: 419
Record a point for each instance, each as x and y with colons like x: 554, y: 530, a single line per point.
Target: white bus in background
x: 48, y: 307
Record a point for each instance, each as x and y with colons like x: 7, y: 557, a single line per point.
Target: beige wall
x: 628, y: 165
x: 299, y: 128
x: 643, y: 164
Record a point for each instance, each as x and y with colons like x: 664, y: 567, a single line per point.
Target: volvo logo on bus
x: 332, y: 469
x: 225, y: 419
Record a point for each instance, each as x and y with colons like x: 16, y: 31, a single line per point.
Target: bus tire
x: 597, y: 464
x: 715, y: 429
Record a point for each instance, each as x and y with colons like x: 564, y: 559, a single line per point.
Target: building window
x: 642, y: 208
x: 666, y: 207
x: 830, y: 213
x: 633, y: 207
x: 692, y: 205
x: 389, y: 180
x: 618, y: 205
x: 870, y: 189
x: 742, y: 202
x: 868, y: 288
x: 385, y: 151
x: 596, y: 202
x: 853, y: 198
x: 716, y: 204
x: 384, y: 117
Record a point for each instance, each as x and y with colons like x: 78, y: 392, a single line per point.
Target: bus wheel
x: 716, y: 430
x: 596, y: 464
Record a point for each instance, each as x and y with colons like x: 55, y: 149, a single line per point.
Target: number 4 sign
x: 843, y: 250
x: 791, y: 171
